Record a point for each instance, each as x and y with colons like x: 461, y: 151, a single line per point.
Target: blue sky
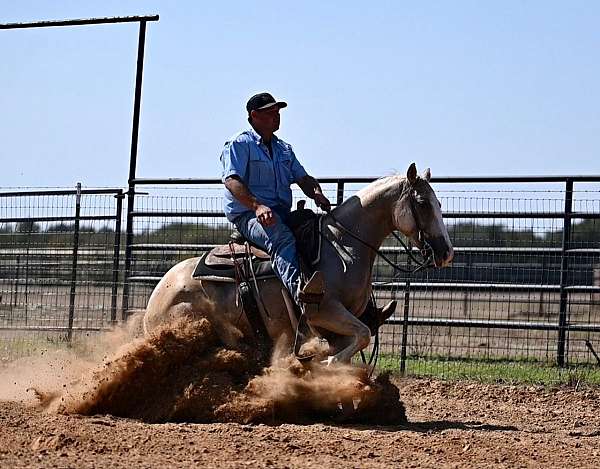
x: 465, y: 87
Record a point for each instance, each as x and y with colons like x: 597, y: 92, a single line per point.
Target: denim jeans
x: 278, y: 241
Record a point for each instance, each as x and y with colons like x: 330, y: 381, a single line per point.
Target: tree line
x: 584, y: 234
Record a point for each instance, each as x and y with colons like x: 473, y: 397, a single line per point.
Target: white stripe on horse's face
x: 444, y: 253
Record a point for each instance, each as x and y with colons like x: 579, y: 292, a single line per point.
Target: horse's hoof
x: 385, y: 313
x: 305, y: 358
x: 331, y: 359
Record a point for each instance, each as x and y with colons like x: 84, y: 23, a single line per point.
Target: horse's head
x: 418, y: 216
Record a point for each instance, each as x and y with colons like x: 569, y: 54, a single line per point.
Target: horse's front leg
x: 332, y: 316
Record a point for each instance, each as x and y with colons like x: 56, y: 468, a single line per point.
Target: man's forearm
x: 310, y: 186
x: 241, y: 192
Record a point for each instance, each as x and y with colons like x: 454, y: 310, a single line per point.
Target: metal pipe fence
x: 522, y: 287
x: 59, y: 266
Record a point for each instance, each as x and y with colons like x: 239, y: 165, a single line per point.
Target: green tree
x: 61, y: 228
x: 27, y: 226
x: 6, y: 228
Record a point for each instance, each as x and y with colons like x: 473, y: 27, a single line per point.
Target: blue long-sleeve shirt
x: 269, y: 179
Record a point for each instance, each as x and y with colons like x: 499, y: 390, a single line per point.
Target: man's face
x: 267, y: 119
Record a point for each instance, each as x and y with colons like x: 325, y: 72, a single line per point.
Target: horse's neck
x: 369, y: 214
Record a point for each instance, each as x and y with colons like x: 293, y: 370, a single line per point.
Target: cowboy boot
x: 308, y: 299
x: 313, y: 291
x: 373, y: 317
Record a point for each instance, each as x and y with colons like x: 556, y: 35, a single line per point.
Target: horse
x: 359, y: 225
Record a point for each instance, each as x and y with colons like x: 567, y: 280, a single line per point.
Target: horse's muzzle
x: 443, y: 252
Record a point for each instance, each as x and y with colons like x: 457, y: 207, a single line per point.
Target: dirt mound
x: 181, y: 373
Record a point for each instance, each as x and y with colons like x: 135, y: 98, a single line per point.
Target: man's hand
x: 322, y: 202
x: 265, y: 215
x: 311, y: 188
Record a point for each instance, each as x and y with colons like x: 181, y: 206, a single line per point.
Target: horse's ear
x: 411, y: 174
x: 427, y: 175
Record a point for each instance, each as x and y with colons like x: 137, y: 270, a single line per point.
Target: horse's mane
x: 386, y: 186
x: 375, y: 189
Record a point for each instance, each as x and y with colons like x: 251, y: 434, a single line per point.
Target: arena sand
x: 181, y: 373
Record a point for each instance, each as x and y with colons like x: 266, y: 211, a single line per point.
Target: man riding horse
x: 215, y: 287
x: 258, y: 170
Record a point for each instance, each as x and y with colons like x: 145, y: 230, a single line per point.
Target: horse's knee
x: 363, y: 336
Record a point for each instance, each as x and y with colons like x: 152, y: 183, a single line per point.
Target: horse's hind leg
x: 334, y: 317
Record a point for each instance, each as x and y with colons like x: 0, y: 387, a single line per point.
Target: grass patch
x: 17, y: 347
x: 35, y: 343
x: 517, y: 371
x: 493, y: 371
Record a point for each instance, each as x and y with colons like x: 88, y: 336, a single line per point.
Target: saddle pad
x: 226, y: 273
x: 239, y: 249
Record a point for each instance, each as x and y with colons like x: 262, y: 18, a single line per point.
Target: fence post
x: 340, y: 193
x: 467, y: 296
x: 564, y: 273
x: 27, y: 276
x: 137, y: 101
x: 116, y: 253
x: 74, y: 264
x: 405, y: 318
x: 128, y: 251
x: 15, y: 298
x: 544, y: 279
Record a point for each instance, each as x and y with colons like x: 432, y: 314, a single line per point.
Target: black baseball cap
x: 263, y: 101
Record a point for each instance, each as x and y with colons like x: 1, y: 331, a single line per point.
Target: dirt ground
x: 451, y: 424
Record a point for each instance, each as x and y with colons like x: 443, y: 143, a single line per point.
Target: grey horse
x: 407, y: 204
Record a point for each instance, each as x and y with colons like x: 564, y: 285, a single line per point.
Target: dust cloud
x: 59, y: 369
x: 182, y: 373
